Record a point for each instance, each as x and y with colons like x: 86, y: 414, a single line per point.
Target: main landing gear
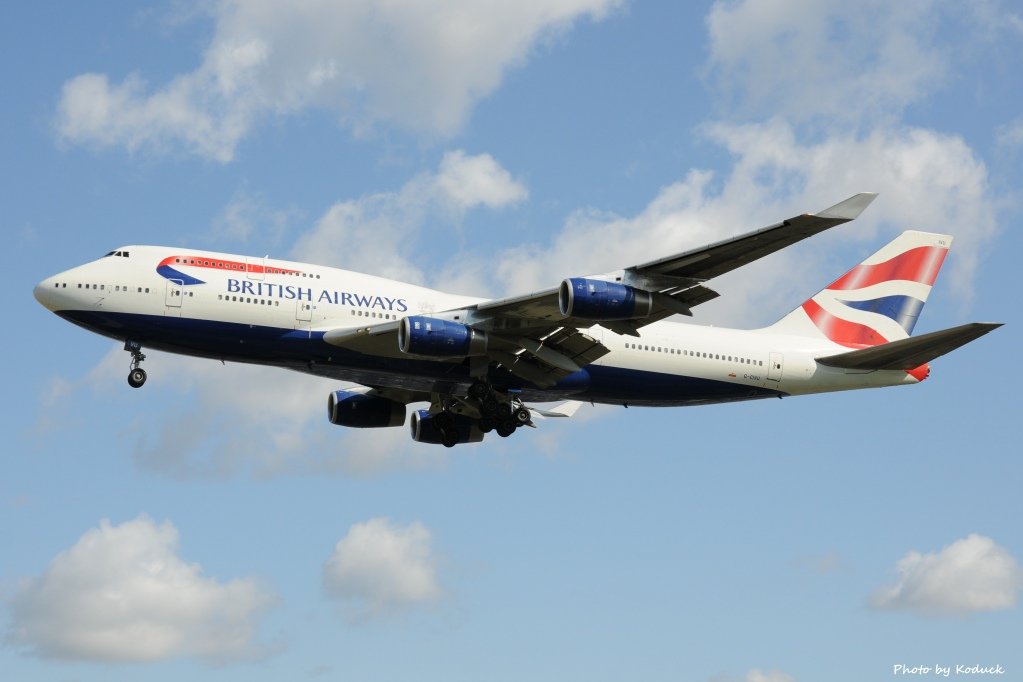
x: 137, y: 375
x: 497, y: 415
x: 482, y: 410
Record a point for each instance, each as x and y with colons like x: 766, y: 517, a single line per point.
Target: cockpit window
x: 123, y: 254
x: 110, y: 254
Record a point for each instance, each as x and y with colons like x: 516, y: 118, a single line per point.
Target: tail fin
x: 877, y: 301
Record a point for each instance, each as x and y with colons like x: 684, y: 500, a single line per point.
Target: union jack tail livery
x: 879, y: 300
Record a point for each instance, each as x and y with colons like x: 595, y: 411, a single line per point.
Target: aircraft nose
x: 44, y: 293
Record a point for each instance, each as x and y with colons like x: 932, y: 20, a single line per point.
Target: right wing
x: 676, y: 280
x: 534, y: 339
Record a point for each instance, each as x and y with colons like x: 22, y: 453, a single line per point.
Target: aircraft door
x: 255, y: 268
x: 303, y: 311
x: 175, y: 292
x: 775, y: 366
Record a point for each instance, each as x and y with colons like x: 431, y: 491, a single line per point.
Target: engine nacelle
x: 425, y: 429
x: 346, y: 408
x: 595, y: 299
x: 429, y: 336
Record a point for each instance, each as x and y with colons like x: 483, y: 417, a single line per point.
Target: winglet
x: 849, y: 209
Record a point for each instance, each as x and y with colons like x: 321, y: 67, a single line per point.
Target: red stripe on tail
x: 841, y: 331
x: 916, y: 265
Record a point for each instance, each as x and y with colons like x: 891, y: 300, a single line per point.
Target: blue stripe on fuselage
x: 306, y: 351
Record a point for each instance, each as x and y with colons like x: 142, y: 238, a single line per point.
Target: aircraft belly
x: 307, y: 352
x: 616, y: 385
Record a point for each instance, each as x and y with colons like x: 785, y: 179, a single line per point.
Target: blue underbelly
x: 306, y: 351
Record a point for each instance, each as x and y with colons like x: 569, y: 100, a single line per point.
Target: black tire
x: 449, y: 438
x: 522, y: 416
x: 487, y: 424
x: 490, y: 406
x: 478, y: 390
x: 137, y: 377
x: 505, y: 428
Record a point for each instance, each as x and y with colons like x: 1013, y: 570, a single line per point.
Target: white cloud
x: 756, y: 675
x: 1010, y: 135
x: 470, y: 181
x: 379, y: 567
x: 972, y: 574
x: 834, y: 59
x: 771, y: 676
x: 122, y: 593
x: 421, y: 66
x: 248, y: 216
x: 237, y: 419
x: 380, y: 233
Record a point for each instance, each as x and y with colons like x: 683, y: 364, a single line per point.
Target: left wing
x: 540, y: 337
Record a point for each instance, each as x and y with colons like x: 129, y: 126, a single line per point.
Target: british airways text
x: 289, y: 291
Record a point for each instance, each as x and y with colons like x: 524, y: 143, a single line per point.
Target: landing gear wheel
x: 505, y: 427
x: 137, y: 377
x: 522, y: 416
x: 479, y: 390
x: 490, y: 406
x: 487, y: 424
x: 446, y: 425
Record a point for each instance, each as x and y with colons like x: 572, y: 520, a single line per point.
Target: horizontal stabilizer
x: 912, y: 352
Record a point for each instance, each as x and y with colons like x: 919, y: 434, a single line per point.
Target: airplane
x: 480, y: 364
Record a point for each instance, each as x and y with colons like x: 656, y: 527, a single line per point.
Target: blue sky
x: 481, y: 148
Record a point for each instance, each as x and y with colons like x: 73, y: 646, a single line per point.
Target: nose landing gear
x: 137, y: 375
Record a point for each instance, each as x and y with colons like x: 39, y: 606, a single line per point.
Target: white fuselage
x: 271, y: 311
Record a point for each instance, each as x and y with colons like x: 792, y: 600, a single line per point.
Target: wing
x: 541, y: 338
x: 678, y: 278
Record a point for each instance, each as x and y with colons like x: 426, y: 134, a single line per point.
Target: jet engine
x: 431, y: 337
x: 595, y: 299
x: 444, y: 428
x: 347, y: 408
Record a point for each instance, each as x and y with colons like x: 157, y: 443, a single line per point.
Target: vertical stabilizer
x: 877, y: 301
